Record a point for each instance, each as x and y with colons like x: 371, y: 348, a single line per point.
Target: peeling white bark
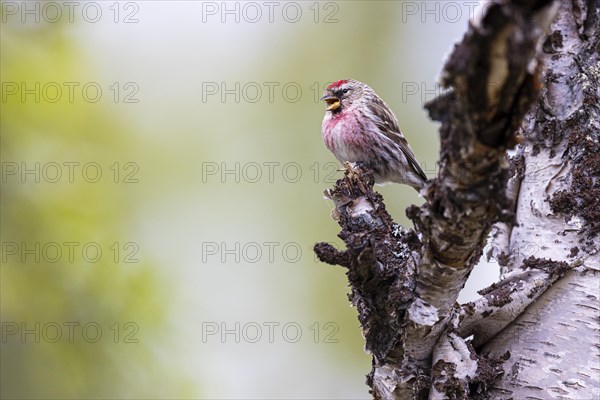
x: 538, y: 232
x: 554, y: 345
x: 484, y: 319
x: 555, y: 342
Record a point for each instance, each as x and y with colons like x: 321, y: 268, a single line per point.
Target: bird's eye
x: 345, y: 90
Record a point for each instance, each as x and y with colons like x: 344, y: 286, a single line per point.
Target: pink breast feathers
x: 342, y: 136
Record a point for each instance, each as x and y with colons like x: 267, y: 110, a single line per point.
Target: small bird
x: 359, y: 127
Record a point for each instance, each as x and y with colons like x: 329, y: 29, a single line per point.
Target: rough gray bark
x: 405, y: 283
x: 556, y: 343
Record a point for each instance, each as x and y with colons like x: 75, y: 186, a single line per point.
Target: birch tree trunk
x: 555, y: 343
x: 527, y: 71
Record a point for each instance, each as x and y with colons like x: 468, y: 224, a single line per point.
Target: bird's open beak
x: 333, y: 103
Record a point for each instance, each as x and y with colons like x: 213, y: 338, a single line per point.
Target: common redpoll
x: 359, y: 127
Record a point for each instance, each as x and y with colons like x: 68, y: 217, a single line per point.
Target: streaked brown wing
x: 388, y: 124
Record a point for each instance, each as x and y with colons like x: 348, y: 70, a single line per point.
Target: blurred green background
x: 162, y: 179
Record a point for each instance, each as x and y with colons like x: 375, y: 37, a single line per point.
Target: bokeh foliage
x: 128, y: 301
x: 171, y: 134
